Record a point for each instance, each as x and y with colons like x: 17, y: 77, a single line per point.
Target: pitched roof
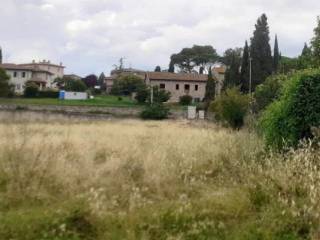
x: 11, y: 66
x: 193, y: 77
x: 221, y: 70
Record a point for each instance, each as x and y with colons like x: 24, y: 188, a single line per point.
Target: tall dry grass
x: 152, y: 180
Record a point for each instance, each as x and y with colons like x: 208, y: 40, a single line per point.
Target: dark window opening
x: 162, y: 86
x: 196, y: 87
x: 15, y: 74
x: 23, y: 74
x: 187, y: 87
x: 177, y: 86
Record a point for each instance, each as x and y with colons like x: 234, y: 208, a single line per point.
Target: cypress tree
x: 0, y: 55
x: 157, y: 69
x: 210, y: 88
x: 245, y: 70
x: 261, y: 52
x: 276, y: 55
x: 101, y: 79
x: 315, y: 44
x: 306, y: 51
x: 171, y: 67
x: 232, y: 76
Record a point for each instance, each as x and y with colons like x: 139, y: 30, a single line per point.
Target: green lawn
x: 103, y: 101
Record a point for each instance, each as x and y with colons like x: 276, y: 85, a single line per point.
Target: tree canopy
x: 190, y: 59
x: 4, y: 83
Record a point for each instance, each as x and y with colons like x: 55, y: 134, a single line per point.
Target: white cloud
x: 90, y: 35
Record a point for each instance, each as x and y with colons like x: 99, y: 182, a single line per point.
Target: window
x: 196, y: 87
x: 162, y: 86
x: 177, y: 86
x: 187, y: 87
x: 23, y: 74
x: 15, y: 74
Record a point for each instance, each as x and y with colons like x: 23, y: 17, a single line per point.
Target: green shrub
x: 31, y: 90
x: 159, y: 95
x: 126, y: 85
x: 142, y: 94
x: 75, y: 85
x: 185, y: 100
x: 49, y: 93
x: 231, y: 106
x: 291, y: 118
x: 5, y: 88
x: 269, y: 91
x: 156, y: 111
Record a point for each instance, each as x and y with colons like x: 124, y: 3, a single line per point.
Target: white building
x: 43, y: 74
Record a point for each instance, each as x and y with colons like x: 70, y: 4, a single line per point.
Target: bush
x: 75, y: 86
x: 126, y: 85
x: 231, y: 106
x: 269, y: 91
x: 49, y: 93
x: 185, y: 100
x: 31, y: 90
x: 159, y: 95
x: 142, y: 94
x: 155, y: 111
x: 291, y: 118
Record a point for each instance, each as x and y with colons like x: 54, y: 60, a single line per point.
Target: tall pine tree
x: 232, y: 76
x: 261, y: 52
x: 0, y: 55
x: 315, y: 44
x: 210, y: 88
x: 276, y: 56
x: 245, y: 69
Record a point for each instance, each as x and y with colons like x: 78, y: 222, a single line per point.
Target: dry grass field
x: 151, y: 180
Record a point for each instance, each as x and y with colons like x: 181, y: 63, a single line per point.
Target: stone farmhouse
x: 178, y: 84
x: 42, y: 73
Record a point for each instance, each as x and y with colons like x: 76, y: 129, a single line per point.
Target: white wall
x: 19, y: 81
x: 75, y: 95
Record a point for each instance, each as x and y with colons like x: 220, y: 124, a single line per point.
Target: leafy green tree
x: 159, y: 95
x: 288, y: 65
x: 305, y: 59
x: 210, y: 88
x: 143, y: 93
x: 74, y: 85
x: 245, y: 69
x: 261, y: 52
x: 231, y: 107
x: 269, y: 91
x: 315, y: 44
x: 276, y: 55
x: 5, y: 88
x: 198, y: 56
x: 157, y: 69
x: 230, y: 54
x: 101, y: 79
x: 31, y: 90
x: 126, y: 85
x: 290, y: 119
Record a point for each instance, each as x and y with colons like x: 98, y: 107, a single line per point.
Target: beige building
x: 179, y: 84
x: 43, y: 74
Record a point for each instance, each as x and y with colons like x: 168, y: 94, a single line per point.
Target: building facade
x: 43, y: 74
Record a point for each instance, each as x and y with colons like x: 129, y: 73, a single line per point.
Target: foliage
x: 48, y: 93
x: 315, y: 44
x: 232, y: 76
x: 5, y: 88
x: 269, y: 91
x: 75, y: 85
x: 276, y: 56
x: 159, y: 95
x: 291, y: 118
x: 156, y: 111
x: 126, y: 85
x: 91, y: 81
x: 261, y: 52
x: 231, y: 106
x: 197, y: 56
x: 31, y: 90
x: 142, y: 94
x: 157, y: 69
x: 231, y: 55
x: 101, y: 80
x: 171, y: 67
x: 185, y: 100
x: 288, y: 65
x: 305, y: 59
x: 210, y: 88
x: 245, y: 70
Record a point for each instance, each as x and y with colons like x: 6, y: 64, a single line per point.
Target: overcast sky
x: 89, y: 36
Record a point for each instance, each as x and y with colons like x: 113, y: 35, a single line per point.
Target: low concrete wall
x: 121, y: 112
